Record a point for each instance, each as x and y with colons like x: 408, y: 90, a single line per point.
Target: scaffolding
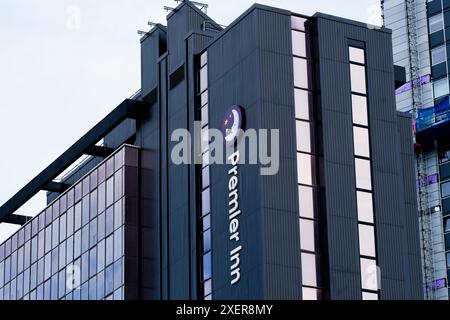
x: 425, y: 214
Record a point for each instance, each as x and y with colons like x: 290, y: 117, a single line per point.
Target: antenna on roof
x: 168, y: 9
x: 201, y: 6
x: 152, y: 24
x: 141, y: 33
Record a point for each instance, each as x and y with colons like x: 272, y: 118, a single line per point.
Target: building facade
x: 420, y: 44
x: 337, y: 219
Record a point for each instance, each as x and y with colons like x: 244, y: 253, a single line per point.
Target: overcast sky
x: 65, y: 64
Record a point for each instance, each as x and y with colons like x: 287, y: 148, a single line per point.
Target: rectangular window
x: 365, y: 206
x: 206, y: 202
x: 309, y: 270
x: 303, y: 105
x: 447, y: 225
x: 436, y: 23
x: 357, y: 55
x: 367, y: 240
x: 369, y: 274
x: 308, y: 231
x: 359, y: 110
x: 307, y: 202
x: 207, y: 273
x: 369, y: 296
x: 438, y: 55
x: 311, y: 293
x: 306, y: 166
x: 445, y: 189
x: 305, y: 136
x: 298, y: 23
x: 358, y: 78
x: 204, y: 78
x: 301, y: 73
x: 299, y: 43
x: 440, y: 87
x: 363, y: 174
x: 361, y: 142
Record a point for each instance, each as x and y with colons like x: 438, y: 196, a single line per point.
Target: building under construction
x: 421, y: 42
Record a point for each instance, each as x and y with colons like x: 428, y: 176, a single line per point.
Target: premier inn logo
x: 232, y: 124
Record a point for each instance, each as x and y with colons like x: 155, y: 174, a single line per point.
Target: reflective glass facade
x: 75, y: 249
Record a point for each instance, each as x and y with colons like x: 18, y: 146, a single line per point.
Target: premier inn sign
x: 234, y: 213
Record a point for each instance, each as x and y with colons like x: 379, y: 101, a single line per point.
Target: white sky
x: 58, y: 78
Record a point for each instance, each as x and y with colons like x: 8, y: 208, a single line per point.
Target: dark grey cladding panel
x: 179, y: 24
x: 233, y: 47
x: 276, y: 70
x: 384, y: 148
x: 281, y: 118
x: 273, y: 32
x: 177, y: 102
x: 339, y: 179
x: 150, y: 52
x: 343, y: 248
x: 338, y: 139
x: 335, y: 78
x: 282, y: 276
x: 345, y: 285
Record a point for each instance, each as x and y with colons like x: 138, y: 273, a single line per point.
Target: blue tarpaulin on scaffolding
x: 434, y: 115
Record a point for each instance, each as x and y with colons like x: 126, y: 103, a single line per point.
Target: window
x: 448, y: 259
x: 299, y: 43
x: 206, y: 202
x: 358, y: 78
x: 438, y: 55
x: 298, y: 23
x: 311, y: 293
x: 306, y: 168
x: 445, y: 189
x: 303, y: 103
x: 309, y: 269
x: 308, y: 231
x: 207, y: 241
x: 304, y: 134
x: 118, y: 244
x: 369, y: 296
x: 367, y: 240
x: 101, y: 256
x: 205, y: 178
x: 205, y: 116
x: 436, y: 23
x: 109, y: 250
x: 301, y: 73
x: 365, y: 206
x: 369, y: 274
x: 307, y: 201
x: 447, y: 225
x: 359, y: 110
x: 363, y: 174
x: 109, y: 192
x: 206, y: 222
x: 207, y: 272
x: 361, y: 142
x: 356, y: 55
x: 440, y: 87
x: 204, y: 78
